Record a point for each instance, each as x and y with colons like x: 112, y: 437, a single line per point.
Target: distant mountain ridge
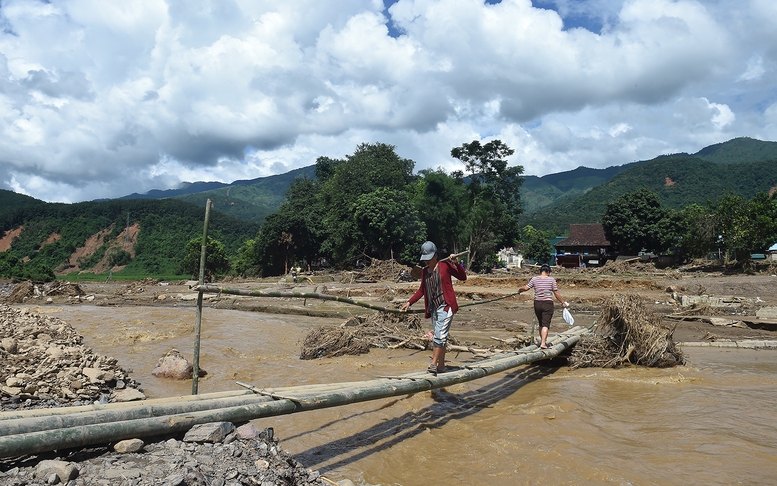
x: 250, y: 200
x: 679, y: 180
x: 253, y: 199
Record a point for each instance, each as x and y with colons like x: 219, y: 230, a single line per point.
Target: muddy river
x: 713, y: 421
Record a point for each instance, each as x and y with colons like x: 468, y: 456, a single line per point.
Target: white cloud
x: 101, y: 99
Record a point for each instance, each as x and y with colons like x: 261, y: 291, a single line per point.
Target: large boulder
x: 175, y: 366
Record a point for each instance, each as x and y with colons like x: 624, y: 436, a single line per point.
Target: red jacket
x: 447, y: 269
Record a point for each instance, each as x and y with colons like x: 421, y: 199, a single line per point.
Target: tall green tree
x: 495, y: 201
x: 442, y: 202
x: 697, y: 234
x: 535, y: 244
x: 292, y: 235
x: 389, y: 224
x: 743, y: 226
x: 636, y: 221
x: 216, y: 261
x: 369, y: 168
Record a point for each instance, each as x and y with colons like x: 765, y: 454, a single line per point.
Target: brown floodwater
x: 713, y: 421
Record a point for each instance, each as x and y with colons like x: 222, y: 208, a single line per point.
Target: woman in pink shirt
x: 545, y: 287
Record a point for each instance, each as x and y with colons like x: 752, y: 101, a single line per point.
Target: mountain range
x: 553, y: 200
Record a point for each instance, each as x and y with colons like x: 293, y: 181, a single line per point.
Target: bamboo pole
x: 215, y: 289
x: 43, y: 412
x: 198, y: 323
x: 101, y: 433
x: 308, y: 397
x: 139, y: 411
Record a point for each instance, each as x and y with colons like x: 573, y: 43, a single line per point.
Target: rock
x: 55, y: 352
x: 127, y: 395
x: 175, y: 366
x: 116, y: 473
x: 14, y: 382
x: 212, y: 432
x: 10, y: 344
x: 768, y: 312
x: 129, y: 445
x: 96, y: 375
x: 247, y: 431
x: 65, y: 471
x: 11, y: 390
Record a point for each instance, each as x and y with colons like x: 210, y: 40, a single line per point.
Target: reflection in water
x: 711, y: 422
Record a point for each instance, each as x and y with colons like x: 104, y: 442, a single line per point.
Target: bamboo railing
x: 36, y: 431
x: 217, y: 289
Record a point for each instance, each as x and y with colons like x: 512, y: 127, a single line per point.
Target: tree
x: 495, y: 201
x: 216, y: 261
x: 292, y: 235
x: 697, y: 233
x: 388, y: 224
x: 745, y: 227
x: 536, y: 244
x: 442, y: 204
x: 370, y: 167
x: 636, y: 222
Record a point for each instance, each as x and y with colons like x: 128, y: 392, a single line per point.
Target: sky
x: 101, y: 99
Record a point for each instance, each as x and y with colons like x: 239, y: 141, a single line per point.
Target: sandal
x: 432, y: 369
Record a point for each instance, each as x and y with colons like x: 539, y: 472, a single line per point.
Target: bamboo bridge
x: 41, y: 430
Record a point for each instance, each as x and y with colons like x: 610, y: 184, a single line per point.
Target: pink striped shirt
x: 543, y: 287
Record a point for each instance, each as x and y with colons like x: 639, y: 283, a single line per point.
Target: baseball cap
x: 428, y: 250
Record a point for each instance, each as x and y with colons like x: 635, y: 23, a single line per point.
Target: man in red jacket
x: 439, y: 299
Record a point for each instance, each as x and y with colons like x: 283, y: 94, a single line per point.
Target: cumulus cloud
x: 101, y: 99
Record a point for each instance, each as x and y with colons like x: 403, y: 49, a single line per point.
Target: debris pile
x: 44, y: 362
x: 627, y: 332
x: 26, y: 290
x: 358, y: 334
x: 216, y: 453
x: 379, y: 270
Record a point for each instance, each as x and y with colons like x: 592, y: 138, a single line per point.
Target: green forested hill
x: 254, y: 199
x: 678, y: 180
x: 738, y: 151
x: 166, y: 226
x: 538, y: 192
x: 249, y: 200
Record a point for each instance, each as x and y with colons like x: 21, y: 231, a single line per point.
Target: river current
x: 713, y: 421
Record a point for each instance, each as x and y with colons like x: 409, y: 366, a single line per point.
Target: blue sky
x: 102, y: 99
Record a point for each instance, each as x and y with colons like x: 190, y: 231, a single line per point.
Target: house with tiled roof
x: 585, y: 241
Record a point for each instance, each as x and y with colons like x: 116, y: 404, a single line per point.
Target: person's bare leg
x: 436, y: 357
x: 544, y: 336
x: 440, y: 359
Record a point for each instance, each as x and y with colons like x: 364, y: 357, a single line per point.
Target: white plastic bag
x: 567, y: 316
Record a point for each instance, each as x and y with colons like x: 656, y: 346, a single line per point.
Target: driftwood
x: 627, y: 333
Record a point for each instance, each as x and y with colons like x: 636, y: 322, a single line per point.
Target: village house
x: 586, y: 245
x: 510, y: 257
